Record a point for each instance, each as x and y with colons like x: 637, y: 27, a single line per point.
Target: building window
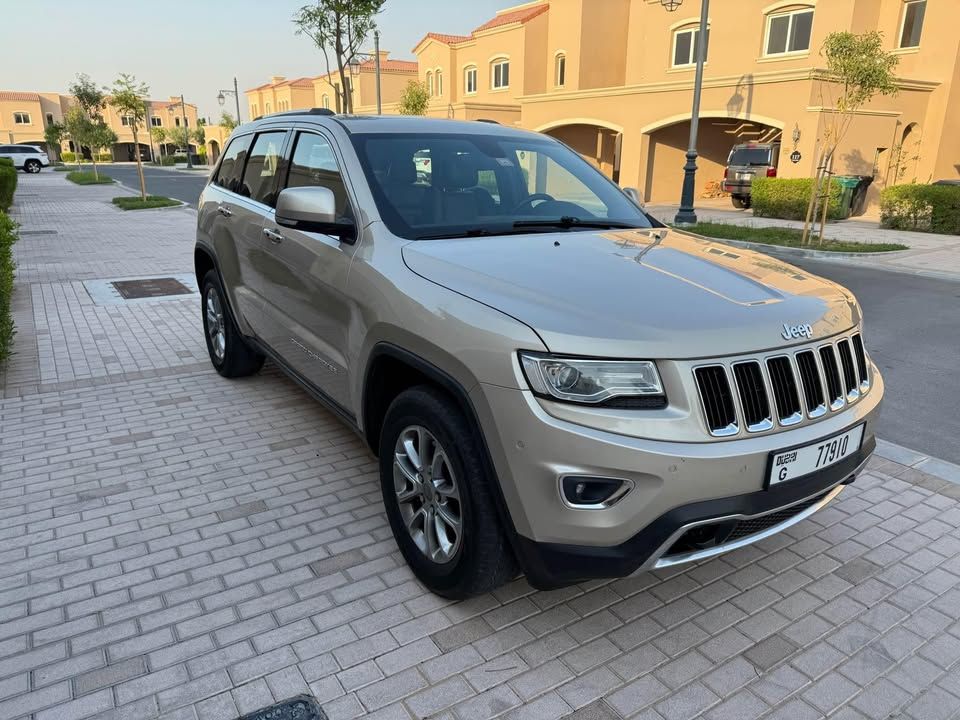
x: 470, y: 80
x: 126, y: 120
x: 253, y: 111
x: 430, y: 84
x: 176, y: 122
x: 21, y: 118
x: 789, y: 33
x: 156, y: 121
x: 325, y: 100
x: 49, y: 118
x: 686, y: 43
x: 266, y: 108
x: 439, y: 82
x: 913, y: 13
x: 560, y: 76
x: 500, y: 74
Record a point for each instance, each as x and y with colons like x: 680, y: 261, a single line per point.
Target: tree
x: 54, y: 135
x: 77, y: 124
x: 158, y: 135
x: 92, y: 132
x: 858, y: 70
x: 228, y: 121
x: 179, y: 136
x: 415, y: 98
x: 199, y: 136
x: 88, y: 96
x: 340, y: 27
x: 128, y: 97
x: 99, y: 136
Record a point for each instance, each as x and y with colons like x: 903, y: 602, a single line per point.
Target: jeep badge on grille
x: 791, y: 332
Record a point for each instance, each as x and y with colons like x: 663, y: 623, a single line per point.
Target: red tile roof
x: 444, y: 38
x: 296, y: 82
x: 517, y: 16
x: 22, y: 96
x: 392, y: 65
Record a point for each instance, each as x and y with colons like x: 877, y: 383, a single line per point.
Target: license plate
x: 744, y: 176
x: 788, y: 465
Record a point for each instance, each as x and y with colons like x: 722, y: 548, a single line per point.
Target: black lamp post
x: 355, y: 69
x: 221, y: 98
x: 686, y: 214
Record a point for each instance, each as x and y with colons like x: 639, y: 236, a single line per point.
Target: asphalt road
x: 912, y: 330
x: 185, y: 186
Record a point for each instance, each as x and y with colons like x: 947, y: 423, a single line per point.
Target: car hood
x: 638, y: 293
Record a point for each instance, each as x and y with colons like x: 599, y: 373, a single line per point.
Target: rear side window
x: 260, y: 177
x: 228, y: 176
x: 314, y: 164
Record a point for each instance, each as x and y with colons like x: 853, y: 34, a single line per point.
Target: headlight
x: 594, y: 381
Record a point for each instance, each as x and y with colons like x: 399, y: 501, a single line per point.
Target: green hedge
x: 8, y: 236
x: 925, y: 208
x: 787, y: 198
x: 105, y: 157
x: 179, y: 158
x: 6, y: 162
x: 168, y: 160
x: 87, y: 177
x: 68, y: 156
x: 8, y: 185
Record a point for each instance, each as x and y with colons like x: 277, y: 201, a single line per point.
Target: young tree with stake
x: 340, y: 27
x: 128, y: 98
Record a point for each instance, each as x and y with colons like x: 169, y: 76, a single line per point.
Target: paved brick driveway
x: 173, y: 544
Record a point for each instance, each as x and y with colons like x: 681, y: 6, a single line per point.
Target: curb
x: 942, y: 469
x: 134, y: 191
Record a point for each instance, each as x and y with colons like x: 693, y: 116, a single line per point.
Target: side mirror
x: 313, y: 209
x: 634, y: 195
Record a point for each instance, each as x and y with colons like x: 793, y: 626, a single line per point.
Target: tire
x: 32, y: 166
x: 478, y: 558
x: 231, y: 356
x: 738, y: 202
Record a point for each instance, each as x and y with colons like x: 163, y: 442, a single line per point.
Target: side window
x: 314, y: 164
x: 228, y: 176
x: 260, y: 176
x: 544, y: 175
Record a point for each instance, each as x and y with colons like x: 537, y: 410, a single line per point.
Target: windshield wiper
x: 569, y: 221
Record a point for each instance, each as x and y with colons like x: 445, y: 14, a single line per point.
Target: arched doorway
x: 666, y: 148
x: 599, y: 143
x: 907, y: 154
x: 213, y: 151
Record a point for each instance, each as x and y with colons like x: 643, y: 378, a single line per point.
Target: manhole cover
x: 150, y: 288
x: 301, y: 707
x: 38, y: 232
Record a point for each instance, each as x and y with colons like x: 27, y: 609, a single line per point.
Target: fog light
x: 593, y: 493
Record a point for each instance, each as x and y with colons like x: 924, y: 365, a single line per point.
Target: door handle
x: 275, y: 237
x: 225, y: 211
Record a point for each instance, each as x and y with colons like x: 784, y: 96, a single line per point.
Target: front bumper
x: 675, y: 485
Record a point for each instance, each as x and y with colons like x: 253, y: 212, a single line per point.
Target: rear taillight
x: 771, y: 172
x: 726, y: 173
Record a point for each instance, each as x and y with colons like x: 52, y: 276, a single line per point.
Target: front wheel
x: 32, y: 166
x: 439, y: 497
x: 229, y: 352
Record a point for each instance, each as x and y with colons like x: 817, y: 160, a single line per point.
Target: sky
x: 195, y: 47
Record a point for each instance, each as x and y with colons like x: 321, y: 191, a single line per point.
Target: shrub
x: 168, y: 161
x: 925, y: 208
x: 104, y: 157
x: 85, y: 177
x: 179, y: 158
x: 68, y: 156
x: 787, y: 198
x: 6, y: 162
x: 8, y: 185
x: 8, y: 236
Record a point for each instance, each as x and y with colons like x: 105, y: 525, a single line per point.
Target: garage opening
x: 598, y: 145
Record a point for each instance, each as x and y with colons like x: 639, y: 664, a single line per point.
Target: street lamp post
x: 686, y: 215
x: 221, y: 98
x: 355, y: 69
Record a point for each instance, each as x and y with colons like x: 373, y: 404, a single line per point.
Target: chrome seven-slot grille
x: 782, y: 389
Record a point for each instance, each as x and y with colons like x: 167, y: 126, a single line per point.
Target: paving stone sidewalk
x: 177, y: 545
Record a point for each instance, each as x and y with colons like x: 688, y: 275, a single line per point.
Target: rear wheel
x: 229, y: 352
x: 738, y: 202
x: 439, y: 496
x: 32, y: 166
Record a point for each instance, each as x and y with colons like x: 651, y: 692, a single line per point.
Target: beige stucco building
x: 614, y: 79
x: 24, y: 116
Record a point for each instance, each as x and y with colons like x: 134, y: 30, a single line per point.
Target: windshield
x: 445, y: 185
x: 749, y: 156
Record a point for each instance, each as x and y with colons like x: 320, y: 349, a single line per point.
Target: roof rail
x: 310, y: 111
x: 487, y: 120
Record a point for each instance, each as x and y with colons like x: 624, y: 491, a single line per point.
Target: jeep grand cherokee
x: 553, y: 382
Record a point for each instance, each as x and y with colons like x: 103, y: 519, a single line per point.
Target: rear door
x: 744, y: 164
x: 305, y: 292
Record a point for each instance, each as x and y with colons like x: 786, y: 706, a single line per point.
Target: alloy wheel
x: 215, y: 325
x: 427, y: 494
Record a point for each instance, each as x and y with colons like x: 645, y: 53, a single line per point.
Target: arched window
x: 439, y: 76
x: 500, y: 74
x: 560, y: 70
x: 470, y: 79
x: 326, y: 101
x: 789, y: 32
x: 686, y: 44
x: 430, y: 84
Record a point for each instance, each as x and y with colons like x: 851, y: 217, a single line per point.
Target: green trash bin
x: 849, y: 183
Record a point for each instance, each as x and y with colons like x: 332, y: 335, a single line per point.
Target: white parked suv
x: 28, y: 158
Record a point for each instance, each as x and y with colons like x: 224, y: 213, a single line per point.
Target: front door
x: 305, y: 296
